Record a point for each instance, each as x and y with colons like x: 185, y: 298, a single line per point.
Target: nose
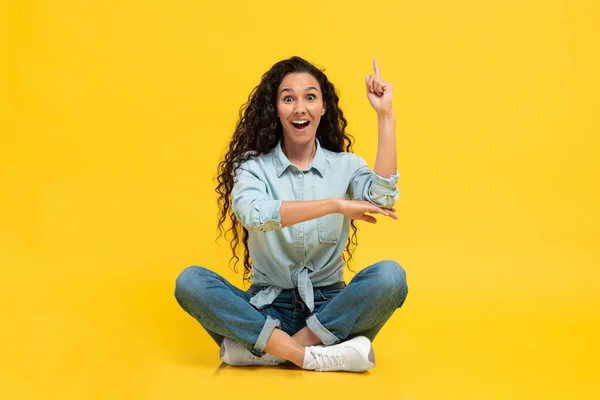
x: 300, y: 108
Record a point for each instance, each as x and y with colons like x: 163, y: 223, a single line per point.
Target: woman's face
x: 299, y: 107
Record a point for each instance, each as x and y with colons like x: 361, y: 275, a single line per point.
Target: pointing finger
x: 376, y: 67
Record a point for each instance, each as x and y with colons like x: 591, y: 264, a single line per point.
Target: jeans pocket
x: 330, y: 228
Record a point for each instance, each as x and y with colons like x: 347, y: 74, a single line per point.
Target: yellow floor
x: 120, y: 337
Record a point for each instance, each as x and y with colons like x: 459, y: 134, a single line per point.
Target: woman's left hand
x: 379, y: 91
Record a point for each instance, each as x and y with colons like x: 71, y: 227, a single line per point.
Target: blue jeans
x: 341, y: 312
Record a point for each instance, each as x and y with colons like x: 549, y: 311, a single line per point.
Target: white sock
x: 308, y: 358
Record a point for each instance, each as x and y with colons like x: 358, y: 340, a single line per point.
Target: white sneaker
x: 354, y: 355
x: 235, y: 354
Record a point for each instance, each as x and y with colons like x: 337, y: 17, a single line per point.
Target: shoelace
x: 327, y: 359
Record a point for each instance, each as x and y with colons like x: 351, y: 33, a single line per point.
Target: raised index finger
x: 376, y: 67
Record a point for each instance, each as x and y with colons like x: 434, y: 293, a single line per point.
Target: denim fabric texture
x: 341, y: 312
x: 298, y: 271
x: 308, y: 254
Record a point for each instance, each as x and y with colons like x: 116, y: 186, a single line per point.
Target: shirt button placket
x: 300, y: 227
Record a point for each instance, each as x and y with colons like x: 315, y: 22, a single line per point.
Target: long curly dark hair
x: 258, y: 130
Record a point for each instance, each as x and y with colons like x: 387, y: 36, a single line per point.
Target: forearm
x: 385, y: 163
x: 294, y: 212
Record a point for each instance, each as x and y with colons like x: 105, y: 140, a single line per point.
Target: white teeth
x: 300, y: 121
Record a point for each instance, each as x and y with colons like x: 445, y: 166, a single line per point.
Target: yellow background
x: 115, y: 114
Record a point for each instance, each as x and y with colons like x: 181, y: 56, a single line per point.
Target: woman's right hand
x: 358, y: 209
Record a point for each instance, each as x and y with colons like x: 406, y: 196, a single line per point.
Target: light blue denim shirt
x: 307, y: 254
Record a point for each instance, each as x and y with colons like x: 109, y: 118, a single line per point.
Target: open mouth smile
x: 301, y: 124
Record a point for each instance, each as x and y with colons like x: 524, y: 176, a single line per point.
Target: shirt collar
x: 281, y: 162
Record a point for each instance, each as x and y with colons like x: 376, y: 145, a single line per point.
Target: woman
x: 291, y: 191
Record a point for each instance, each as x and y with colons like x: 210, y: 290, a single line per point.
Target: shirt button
x: 300, y: 235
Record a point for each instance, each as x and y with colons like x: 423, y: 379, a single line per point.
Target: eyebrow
x: 292, y: 90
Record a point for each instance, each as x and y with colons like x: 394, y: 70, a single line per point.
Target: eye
x: 287, y: 99
x: 311, y: 97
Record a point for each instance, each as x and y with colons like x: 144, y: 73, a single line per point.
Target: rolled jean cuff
x: 327, y: 338
x: 263, y: 336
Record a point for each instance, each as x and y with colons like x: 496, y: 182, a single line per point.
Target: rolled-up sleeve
x: 365, y: 184
x: 251, y: 203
